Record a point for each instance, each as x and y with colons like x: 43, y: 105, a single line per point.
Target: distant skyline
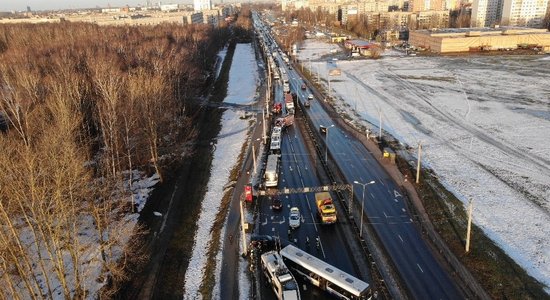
x: 18, y: 5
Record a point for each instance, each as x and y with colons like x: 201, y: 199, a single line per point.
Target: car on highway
x: 310, y: 97
x: 294, y: 218
x: 303, y: 86
x: 276, y: 203
x: 264, y: 242
x: 307, y: 103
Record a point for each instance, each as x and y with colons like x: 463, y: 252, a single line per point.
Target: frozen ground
x: 243, y: 81
x: 484, y: 124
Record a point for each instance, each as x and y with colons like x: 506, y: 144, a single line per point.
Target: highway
x: 384, y: 207
x: 298, y: 169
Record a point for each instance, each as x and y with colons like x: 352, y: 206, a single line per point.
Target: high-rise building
x: 523, y: 12
x: 294, y: 4
x: 422, y: 5
x: 486, y: 13
x: 200, y: 5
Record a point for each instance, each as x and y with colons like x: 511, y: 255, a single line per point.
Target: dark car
x: 264, y: 242
x: 276, y: 203
x: 307, y: 103
x: 303, y: 86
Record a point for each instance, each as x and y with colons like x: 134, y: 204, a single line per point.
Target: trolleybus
x: 325, y: 276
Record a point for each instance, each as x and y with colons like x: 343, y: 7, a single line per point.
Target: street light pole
x: 364, y: 185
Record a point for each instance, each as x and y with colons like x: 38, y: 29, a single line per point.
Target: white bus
x: 275, y: 145
x: 325, y: 276
x: 272, y: 171
x: 283, y: 283
x: 275, y: 73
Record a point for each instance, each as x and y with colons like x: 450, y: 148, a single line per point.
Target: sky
x: 18, y: 5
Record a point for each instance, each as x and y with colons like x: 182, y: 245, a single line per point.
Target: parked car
x: 294, y: 218
x: 276, y: 203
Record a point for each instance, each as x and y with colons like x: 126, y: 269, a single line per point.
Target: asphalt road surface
x: 384, y: 207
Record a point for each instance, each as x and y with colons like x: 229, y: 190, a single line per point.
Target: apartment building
x: 523, y: 12
x: 423, y: 5
x: 200, y: 5
x: 193, y: 18
x: 487, y: 13
x: 347, y: 12
x: 294, y: 4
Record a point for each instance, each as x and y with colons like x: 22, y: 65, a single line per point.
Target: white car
x: 294, y: 218
x: 310, y: 97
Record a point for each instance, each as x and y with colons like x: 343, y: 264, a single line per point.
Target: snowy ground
x: 243, y: 82
x: 484, y: 123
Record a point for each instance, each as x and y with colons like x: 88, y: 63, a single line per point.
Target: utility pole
x: 469, y: 229
x: 318, y: 78
x: 380, y: 127
x: 328, y: 76
x: 356, y: 96
x: 350, y: 203
x: 418, y: 163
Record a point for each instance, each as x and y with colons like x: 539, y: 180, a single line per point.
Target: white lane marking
x: 385, y: 215
x: 396, y: 200
x: 304, y: 287
x: 420, y: 268
x: 372, y: 195
x: 400, y: 238
x: 322, y: 249
x: 403, y: 209
x: 313, y: 218
x: 396, y: 193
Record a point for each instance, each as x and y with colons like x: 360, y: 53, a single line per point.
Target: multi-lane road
x: 384, y: 207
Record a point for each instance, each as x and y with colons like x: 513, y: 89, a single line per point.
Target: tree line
x: 84, y: 105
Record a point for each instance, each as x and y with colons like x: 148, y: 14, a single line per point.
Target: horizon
x: 38, y: 5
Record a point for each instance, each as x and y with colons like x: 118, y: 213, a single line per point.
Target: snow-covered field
x: 243, y: 82
x: 483, y: 122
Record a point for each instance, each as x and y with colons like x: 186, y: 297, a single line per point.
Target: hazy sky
x: 18, y: 5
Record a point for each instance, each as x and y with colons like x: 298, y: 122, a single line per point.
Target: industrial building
x: 480, y: 39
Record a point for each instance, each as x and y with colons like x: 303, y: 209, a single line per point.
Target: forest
x: 84, y: 110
